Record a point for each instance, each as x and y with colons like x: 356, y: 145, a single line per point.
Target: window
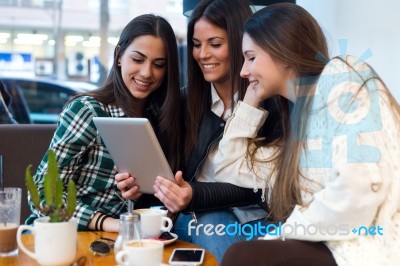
x: 45, y: 98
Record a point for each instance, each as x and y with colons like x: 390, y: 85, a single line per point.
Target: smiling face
x: 268, y: 76
x: 210, y: 50
x: 143, y: 65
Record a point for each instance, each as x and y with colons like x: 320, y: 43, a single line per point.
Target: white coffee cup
x: 148, y: 252
x: 152, y: 222
x: 55, y: 243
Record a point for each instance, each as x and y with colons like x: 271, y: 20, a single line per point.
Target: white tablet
x: 134, y: 148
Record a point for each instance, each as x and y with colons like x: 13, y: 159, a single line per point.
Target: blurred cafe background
x: 52, y: 49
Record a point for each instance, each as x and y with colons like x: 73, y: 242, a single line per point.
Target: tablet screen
x: 134, y: 148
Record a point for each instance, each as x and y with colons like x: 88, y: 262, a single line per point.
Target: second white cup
x: 153, y: 222
x: 148, y: 252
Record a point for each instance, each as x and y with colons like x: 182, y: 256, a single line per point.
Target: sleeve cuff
x: 251, y: 115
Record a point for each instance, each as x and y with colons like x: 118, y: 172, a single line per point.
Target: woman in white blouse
x: 333, y: 181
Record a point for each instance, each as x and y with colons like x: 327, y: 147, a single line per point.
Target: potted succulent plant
x: 56, y: 233
x: 53, y: 206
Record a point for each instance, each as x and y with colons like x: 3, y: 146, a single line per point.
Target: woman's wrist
x: 111, y: 224
x: 103, y: 222
x: 92, y: 223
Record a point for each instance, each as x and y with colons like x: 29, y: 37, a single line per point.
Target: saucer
x: 166, y: 241
x: 169, y: 241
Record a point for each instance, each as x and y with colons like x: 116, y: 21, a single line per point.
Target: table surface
x: 84, y: 240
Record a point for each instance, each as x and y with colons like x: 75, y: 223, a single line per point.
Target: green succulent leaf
x: 48, y: 190
x: 30, y: 185
x: 71, y: 199
x: 52, y: 171
x: 59, y: 194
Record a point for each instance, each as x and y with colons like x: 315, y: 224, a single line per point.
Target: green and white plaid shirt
x: 82, y: 157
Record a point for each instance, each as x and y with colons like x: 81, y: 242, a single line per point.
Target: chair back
x: 21, y: 145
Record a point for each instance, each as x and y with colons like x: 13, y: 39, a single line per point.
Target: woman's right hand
x: 251, y: 96
x: 127, y: 185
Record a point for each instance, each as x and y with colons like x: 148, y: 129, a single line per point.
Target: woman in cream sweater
x: 332, y: 182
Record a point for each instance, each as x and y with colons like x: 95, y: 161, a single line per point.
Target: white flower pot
x: 55, y: 243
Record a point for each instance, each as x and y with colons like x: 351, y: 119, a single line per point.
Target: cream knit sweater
x: 351, y: 165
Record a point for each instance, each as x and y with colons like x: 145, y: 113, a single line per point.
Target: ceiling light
x: 90, y: 44
x: 5, y: 35
x: 73, y: 38
x: 94, y: 39
x: 28, y: 41
x: 31, y: 36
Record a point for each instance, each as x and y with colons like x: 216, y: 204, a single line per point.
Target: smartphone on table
x: 187, y: 257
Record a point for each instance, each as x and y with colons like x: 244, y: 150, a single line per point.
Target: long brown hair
x: 163, y: 103
x: 291, y: 36
x: 229, y: 15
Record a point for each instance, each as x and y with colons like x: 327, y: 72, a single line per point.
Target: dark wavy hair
x: 230, y: 16
x: 163, y: 103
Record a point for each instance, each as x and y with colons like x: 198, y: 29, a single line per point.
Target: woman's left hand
x: 175, y: 197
